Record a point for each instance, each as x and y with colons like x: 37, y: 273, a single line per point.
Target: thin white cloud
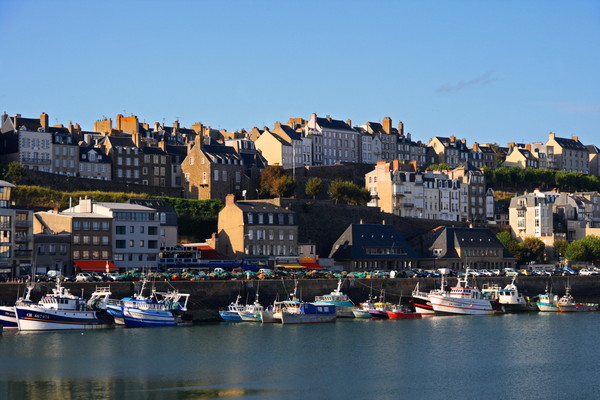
x: 483, y: 79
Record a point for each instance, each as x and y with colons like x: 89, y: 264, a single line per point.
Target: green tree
x: 505, y: 238
x: 577, y: 251
x: 592, y: 243
x: 439, y: 167
x: 560, y: 248
x: 336, y: 190
x: 14, y: 172
x: 536, y: 248
x: 268, y: 178
x: 314, y: 186
x: 283, y: 186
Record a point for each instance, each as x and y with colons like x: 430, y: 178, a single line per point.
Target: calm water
x: 529, y: 356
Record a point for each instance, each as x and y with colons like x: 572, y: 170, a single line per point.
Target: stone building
x: 260, y: 232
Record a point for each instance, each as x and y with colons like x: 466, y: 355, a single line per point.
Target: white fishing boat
x: 508, y: 298
x: 547, y: 302
x: 232, y: 312
x: 362, y: 311
x: 461, y: 299
x: 344, y: 307
x: 252, y: 312
x: 8, y: 315
x: 60, y: 310
x: 421, y: 300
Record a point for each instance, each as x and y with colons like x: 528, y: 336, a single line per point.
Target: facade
x: 135, y: 232
x: 90, y: 237
x: 275, y: 149
x: 531, y: 215
x: 339, y: 142
x: 373, y: 247
x: 167, y: 218
x: 569, y: 154
x: 482, y: 156
x: 260, y: 232
x: 212, y: 171
x: 520, y: 157
x: 65, y: 152
x: 450, y: 151
x: 53, y: 253
x: 94, y: 164
x: 16, y: 239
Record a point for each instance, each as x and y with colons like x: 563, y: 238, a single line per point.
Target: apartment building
x: 450, y: 151
x: 569, y: 153
x: 333, y: 140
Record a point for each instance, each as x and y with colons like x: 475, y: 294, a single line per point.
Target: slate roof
x: 101, y: 157
x: 120, y: 141
x: 570, y: 144
x: 291, y: 132
x: 352, y: 244
x: 221, y: 152
x: 456, y: 144
x: 334, y: 124
x: 153, y: 150
x: 452, y: 238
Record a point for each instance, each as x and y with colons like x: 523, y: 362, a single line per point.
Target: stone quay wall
x: 207, y: 297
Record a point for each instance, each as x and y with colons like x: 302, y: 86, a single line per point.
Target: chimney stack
x: 401, y: 128
x: 44, y: 120
x: 135, y: 136
x: 387, y: 125
x: 349, y: 122
x: 229, y: 200
x: 575, y: 138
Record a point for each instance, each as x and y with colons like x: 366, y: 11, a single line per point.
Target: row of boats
x: 62, y: 310
x: 462, y: 299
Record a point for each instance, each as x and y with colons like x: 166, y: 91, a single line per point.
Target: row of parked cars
x: 51, y: 276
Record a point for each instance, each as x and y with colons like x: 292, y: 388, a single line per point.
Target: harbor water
x: 519, y: 356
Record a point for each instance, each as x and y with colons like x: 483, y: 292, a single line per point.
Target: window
x: 120, y: 244
x: 96, y: 240
x: 105, y: 226
x: 76, y: 239
x: 120, y: 229
x: 76, y: 225
x: 142, y: 229
x: 105, y: 240
x: 152, y: 230
x: 132, y: 243
x: 141, y: 243
x: 152, y: 244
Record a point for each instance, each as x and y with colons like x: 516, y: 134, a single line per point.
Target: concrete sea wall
x: 208, y: 296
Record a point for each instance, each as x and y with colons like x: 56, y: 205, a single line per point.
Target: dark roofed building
x: 373, y: 247
x: 167, y: 237
x: 476, y: 248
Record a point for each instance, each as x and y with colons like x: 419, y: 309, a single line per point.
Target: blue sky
x: 486, y: 71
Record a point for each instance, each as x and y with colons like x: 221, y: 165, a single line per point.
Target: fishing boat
x: 8, y: 315
x: 380, y: 309
x: 232, y: 312
x: 402, y: 312
x: 344, y: 307
x: 421, y: 300
x: 156, y: 310
x: 294, y: 311
x: 252, y: 312
x: 547, y: 302
x: 60, y: 310
x: 508, y: 298
x: 567, y: 304
x: 461, y: 299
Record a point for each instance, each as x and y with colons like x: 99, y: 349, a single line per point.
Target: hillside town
x: 430, y: 203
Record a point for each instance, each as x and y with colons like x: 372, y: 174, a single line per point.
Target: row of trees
x: 533, y: 249
x: 274, y: 181
x: 544, y: 179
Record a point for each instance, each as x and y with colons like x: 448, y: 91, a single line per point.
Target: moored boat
x: 344, y: 307
x: 294, y: 311
x: 461, y: 299
x: 402, y: 312
x: 232, y: 312
x: 8, y: 315
x: 508, y: 298
x: 568, y: 304
x: 547, y: 302
x: 60, y: 310
x: 421, y: 300
x: 252, y: 312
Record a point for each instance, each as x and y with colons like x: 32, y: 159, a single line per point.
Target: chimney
x: 44, y: 120
x: 452, y: 139
x: 176, y: 125
x: 476, y: 146
x: 156, y: 127
x: 387, y: 125
x: 119, y: 122
x: 401, y: 128
x: 528, y: 147
x: 229, y: 200
x: 85, y: 205
x: 575, y: 138
x: 551, y: 135
x: 162, y: 145
x: 328, y: 118
x: 70, y: 127
x: 349, y: 122
x: 15, y: 121
x: 277, y: 125
x: 511, y: 145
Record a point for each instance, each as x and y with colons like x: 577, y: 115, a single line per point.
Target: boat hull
x: 443, y: 305
x: 230, y: 316
x: 403, y: 315
x: 134, y: 317
x: 579, y: 307
x: 423, y: 305
x: 547, y: 307
x: 378, y: 314
x: 361, y: 314
x: 266, y: 317
x: 288, y: 318
x: 250, y: 316
x: 33, y: 319
x: 8, y: 317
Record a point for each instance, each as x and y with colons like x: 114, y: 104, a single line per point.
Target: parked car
x: 511, y: 272
x: 84, y: 277
x: 568, y: 271
x: 588, y: 272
